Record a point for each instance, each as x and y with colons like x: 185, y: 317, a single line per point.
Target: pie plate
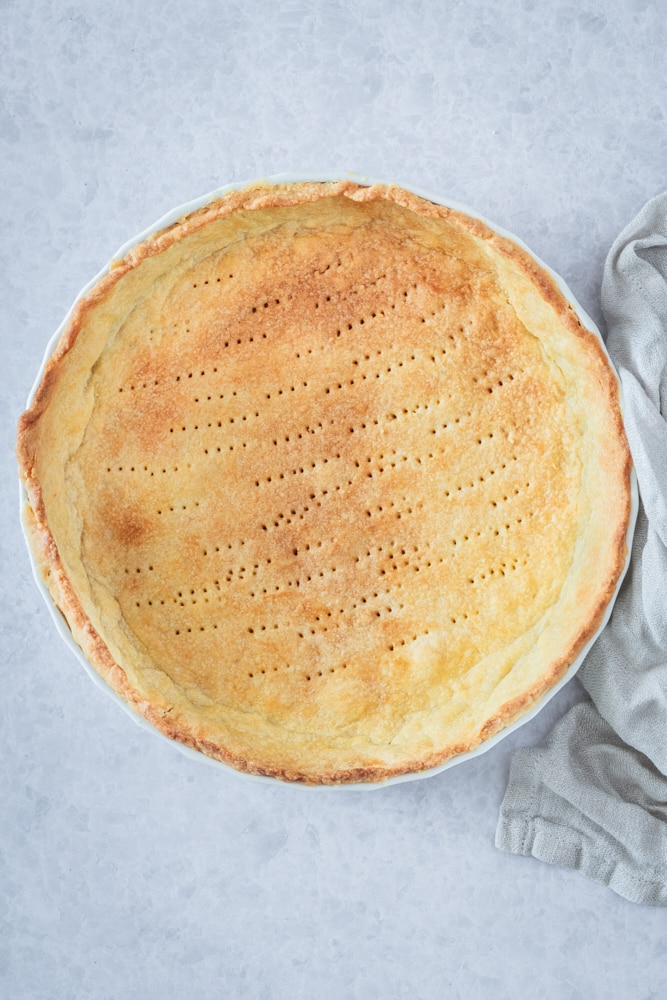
x: 360, y: 183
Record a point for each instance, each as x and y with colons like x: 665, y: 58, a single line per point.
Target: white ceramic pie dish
x: 169, y: 219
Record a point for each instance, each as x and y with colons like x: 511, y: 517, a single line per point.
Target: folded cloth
x: 594, y: 796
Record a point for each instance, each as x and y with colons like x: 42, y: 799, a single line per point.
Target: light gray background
x: 126, y: 870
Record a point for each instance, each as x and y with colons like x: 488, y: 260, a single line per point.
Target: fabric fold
x: 593, y: 797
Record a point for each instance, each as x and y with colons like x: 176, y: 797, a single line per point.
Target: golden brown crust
x: 411, y: 675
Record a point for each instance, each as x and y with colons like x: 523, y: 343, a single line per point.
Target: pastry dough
x: 329, y: 481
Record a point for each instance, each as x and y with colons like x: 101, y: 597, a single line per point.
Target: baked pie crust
x: 329, y: 482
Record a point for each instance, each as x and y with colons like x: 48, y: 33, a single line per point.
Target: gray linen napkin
x: 594, y: 796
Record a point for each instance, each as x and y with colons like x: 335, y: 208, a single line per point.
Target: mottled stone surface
x: 126, y: 870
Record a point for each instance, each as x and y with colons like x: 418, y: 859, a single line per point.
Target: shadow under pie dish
x: 329, y: 481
